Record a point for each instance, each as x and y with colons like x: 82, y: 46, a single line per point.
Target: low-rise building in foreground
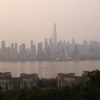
x: 69, y: 79
x: 15, y: 84
x: 7, y: 82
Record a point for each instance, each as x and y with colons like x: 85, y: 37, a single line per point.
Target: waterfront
x: 49, y: 69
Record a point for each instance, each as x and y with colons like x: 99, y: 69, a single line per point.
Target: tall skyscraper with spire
x: 54, y: 35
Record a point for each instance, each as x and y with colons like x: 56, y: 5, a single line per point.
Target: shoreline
x: 46, y: 60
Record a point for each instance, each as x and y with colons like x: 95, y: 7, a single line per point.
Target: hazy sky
x: 23, y: 20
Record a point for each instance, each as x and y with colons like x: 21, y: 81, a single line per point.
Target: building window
x: 33, y: 82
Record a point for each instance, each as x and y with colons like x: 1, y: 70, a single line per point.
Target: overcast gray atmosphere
x: 25, y: 20
x: 50, y: 49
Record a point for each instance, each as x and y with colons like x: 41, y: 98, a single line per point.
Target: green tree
x: 91, y: 90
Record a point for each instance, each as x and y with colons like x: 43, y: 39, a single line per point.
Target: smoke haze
x: 25, y: 20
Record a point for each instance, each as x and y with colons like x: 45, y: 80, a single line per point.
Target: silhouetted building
x: 54, y: 35
x: 3, y: 50
x: 16, y: 51
x: 32, y: 51
x: 40, y: 54
x: 12, y: 52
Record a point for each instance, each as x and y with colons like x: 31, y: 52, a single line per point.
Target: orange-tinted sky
x: 23, y: 20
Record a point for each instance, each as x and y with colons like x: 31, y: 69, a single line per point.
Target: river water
x: 49, y: 69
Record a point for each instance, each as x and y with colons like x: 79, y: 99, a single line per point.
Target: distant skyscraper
x: 40, y: 51
x: 73, y: 41
x: 54, y: 35
x: 23, y: 51
x: 60, y: 46
x: 23, y: 47
x: 16, y: 51
x: 3, y: 45
x: 3, y: 49
x: 85, y: 47
x: 31, y: 45
x: 32, y: 52
x: 76, y: 51
x: 12, y: 51
x: 47, y: 49
x: 8, y: 53
x: 15, y: 47
x: 73, y: 45
x: 45, y: 44
x: 50, y: 41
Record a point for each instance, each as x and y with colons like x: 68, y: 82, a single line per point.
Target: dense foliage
x: 88, y: 91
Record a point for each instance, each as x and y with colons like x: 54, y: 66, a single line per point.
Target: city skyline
x: 53, y: 39
x: 51, y: 49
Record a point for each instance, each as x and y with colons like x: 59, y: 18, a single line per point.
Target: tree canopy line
x: 78, y: 91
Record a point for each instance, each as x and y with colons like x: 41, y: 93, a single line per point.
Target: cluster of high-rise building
x: 51, y: 50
